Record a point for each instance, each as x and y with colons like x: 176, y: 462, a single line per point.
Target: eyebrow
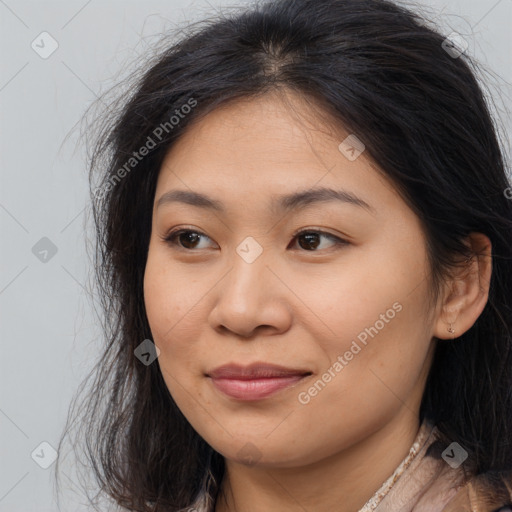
x: 279, y: 204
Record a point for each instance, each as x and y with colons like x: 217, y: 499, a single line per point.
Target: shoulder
x: 487, y: 492
x: 436, y: 485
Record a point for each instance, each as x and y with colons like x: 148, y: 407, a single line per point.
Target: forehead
x: 268, y: 145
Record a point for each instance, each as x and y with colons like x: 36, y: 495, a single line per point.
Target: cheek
x: 369, y: 296
x: 176, y: 304
x: 166, y: 299
x: 366, y: 384
x: 371, y: 320
x: 170, y: 293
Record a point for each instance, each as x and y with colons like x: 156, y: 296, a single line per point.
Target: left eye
x: 309, y: 240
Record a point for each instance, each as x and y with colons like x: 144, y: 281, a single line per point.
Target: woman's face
x: 344, y: 305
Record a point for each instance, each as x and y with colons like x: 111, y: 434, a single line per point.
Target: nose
x: 251, y: 300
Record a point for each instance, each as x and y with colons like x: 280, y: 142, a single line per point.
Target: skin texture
x: 296, y: 306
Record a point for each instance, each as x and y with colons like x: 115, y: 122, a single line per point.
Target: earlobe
x: 467, y: 292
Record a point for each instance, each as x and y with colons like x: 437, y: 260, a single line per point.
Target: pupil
x: 310, y: 237
x: 190, y: 237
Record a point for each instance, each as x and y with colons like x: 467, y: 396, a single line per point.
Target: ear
x: 466, y: 294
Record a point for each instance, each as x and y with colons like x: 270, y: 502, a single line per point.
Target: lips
x: 256, y: 381
x: 254, y: 371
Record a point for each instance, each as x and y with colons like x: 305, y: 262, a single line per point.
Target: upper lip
x: 254, y: 371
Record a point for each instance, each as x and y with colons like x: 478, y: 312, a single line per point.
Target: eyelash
x: 170, y: 238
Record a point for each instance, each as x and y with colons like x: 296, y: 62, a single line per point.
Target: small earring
x: 451, y: 330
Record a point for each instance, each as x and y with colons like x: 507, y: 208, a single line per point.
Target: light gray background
x: 48, y: 331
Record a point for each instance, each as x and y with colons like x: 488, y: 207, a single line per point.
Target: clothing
x: 425, y: 482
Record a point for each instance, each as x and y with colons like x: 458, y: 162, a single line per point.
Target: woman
x: 304, y: 251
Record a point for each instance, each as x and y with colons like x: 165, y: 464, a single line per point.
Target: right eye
x: 184, y: 239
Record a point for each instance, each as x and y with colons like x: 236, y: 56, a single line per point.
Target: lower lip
x: 255, y: 389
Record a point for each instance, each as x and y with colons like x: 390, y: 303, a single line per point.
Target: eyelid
x: 316, y: 230
x: 176, y: 231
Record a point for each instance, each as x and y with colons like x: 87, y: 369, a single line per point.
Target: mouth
x: 256, y: 381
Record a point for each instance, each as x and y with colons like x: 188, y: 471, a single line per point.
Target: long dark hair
x: 386, y: 76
